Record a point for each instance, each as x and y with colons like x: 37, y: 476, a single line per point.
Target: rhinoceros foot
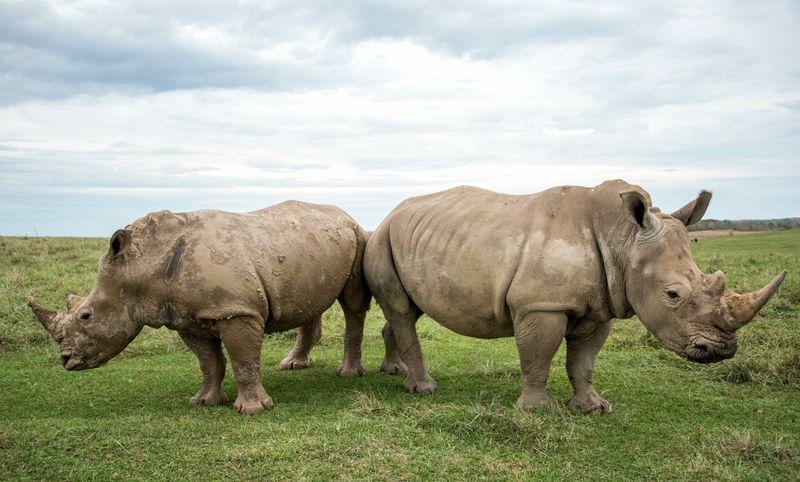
x: 293, y: 362
x: 209, y: 397
x: 393, y: 368
x: 536, y: 401
x: 590, y: 403
x: 253, y: 403
x: 351, y: 370
x: 424, y: 385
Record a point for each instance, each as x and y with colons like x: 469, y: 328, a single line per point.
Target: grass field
x: 739, y: 419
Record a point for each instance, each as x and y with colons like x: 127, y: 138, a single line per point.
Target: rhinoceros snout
x: 71, y: 362
x: 707, y: 352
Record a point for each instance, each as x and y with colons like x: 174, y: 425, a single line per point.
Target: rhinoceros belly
x: 459, y: 281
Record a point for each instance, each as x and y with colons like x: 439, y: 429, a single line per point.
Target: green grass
x: 739, y: 419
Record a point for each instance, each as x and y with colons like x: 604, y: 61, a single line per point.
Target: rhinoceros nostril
x: 699, y: 352
x: 65, y: 358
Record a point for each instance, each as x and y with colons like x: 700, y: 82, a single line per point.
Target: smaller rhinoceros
x: 221, y: 278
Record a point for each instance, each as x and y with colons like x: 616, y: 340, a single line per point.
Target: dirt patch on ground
x: 717, y: 233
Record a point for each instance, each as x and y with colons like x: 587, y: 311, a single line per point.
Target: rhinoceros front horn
x: 741, y: 309
x: 46, y: 317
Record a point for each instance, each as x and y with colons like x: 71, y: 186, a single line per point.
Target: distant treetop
x: 746, y: 224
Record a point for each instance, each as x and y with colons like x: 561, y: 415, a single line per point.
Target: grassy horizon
x: 739, y: 419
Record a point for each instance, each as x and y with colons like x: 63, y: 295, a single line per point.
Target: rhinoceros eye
x: 673, y: 295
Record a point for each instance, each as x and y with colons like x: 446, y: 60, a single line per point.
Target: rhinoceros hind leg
x: 404, y: 328
x: 354, y: 299
x: 399, y: 310
x: 307, y: 336
x: 242, y: 338
x: 392, y: 362
x: 212, y: 364
x: 582, y: 352
x: 538, y: 336
x: 353, y: 334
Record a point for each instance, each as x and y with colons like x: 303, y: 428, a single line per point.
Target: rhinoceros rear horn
x: 741, y: 309
x: 693, y: 212
x: 46, y: 317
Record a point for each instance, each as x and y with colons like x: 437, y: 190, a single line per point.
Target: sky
x: 113, y: 109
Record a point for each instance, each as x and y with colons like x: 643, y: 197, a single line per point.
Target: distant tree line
x: 746, y: 224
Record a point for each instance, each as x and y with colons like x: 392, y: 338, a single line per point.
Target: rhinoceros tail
x: 355, y: 295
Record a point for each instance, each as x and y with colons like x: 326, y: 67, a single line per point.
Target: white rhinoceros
x: 222, y: 277
x: 543, y: 267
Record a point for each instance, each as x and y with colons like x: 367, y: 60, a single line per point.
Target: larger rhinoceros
x: 558, y: 264
x: 222, y: 277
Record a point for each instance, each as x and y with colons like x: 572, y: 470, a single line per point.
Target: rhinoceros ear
x: 73, y: 302
x: 694, y: 211
x: 636, y: 211
x: 120, y: 241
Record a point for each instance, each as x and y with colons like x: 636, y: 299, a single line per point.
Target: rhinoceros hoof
x: 292, y: 363
x: 350, y: 371
x: 252, y: 406
x: 203, y: 397
x: 427, y: 385
x: 393, y: 368
x: 536, y: 401
x: 592, y: 403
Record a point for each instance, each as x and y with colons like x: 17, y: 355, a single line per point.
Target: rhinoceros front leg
x: 538, y: 336
x: 582, y: 351
x: 212, y: 364
x: 242, y: 338
x: 392, y: 362
x: 307, y: 336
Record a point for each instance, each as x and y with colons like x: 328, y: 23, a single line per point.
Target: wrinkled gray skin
x: 221, y: 278
x: 558, y: 264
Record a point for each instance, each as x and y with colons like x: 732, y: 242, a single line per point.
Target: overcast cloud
x: 109, y: 110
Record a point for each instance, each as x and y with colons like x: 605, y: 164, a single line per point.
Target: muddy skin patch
x: 113, y: 325
x: 139, y: 315
x: 125, y: 323
x: 175, y: 260
x: 169, y: 314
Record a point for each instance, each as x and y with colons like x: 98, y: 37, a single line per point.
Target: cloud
x: 116, y: 108
x: 96, y: 47
x: 55, y: 49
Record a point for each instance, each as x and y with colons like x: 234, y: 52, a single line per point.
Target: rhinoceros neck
x: 614, y: 237
x: 615, y: 261
x: 154, y: 291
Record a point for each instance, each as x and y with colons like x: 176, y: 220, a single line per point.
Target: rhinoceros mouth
x: 704, y: 351
x: 72, y: 362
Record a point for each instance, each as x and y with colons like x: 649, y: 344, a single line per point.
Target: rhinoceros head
x: 96, y: 328
x: 688, y: 310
